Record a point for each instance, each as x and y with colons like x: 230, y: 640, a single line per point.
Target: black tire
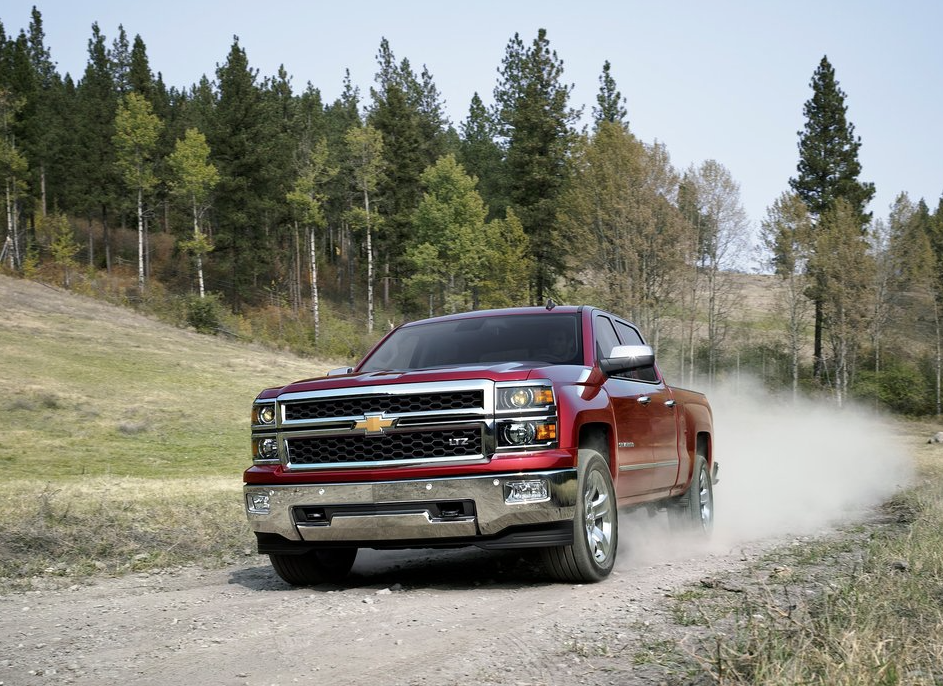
x: 595, y: 526
x: 694, y: 511
x: 315, y: 566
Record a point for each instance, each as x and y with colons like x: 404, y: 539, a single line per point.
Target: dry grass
x: 865, y: 607
x: 124, y: 438
x: 60, y: 532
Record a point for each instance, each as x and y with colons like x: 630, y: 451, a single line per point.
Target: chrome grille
x: 455, y: 443
x: 355, y: 406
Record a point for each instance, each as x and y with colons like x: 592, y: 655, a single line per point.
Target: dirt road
x: 415, y: 617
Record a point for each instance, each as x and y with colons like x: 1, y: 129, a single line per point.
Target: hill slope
x: 96, y: 389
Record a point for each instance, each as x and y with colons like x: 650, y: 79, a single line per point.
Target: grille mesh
x: 354, y: 449
x: 389, y: 404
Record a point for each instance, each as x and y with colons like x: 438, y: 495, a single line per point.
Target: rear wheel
x: 595, y: 528
x: 694, y: 511
x: 315, y: 566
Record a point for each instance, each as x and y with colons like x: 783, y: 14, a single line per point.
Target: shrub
x: 204, y: 314
x: 899, y: 386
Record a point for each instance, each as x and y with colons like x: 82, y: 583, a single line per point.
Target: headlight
x: 524, y: 397
x: 263, y: 415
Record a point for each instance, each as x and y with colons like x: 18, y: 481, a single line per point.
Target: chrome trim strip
x: 647, y: 465
x: 439, y: 461
x: 378, y: 528
x: 488, y: 492
x: 486, y: 388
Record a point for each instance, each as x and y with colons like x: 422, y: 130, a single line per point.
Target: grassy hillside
x: 125, y: 438
x: 99, y: 390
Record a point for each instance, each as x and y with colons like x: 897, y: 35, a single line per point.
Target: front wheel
x: 315, y: 566
x: 595, y: 528
x: 694, y: 511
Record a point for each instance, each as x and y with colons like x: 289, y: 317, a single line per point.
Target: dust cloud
x: 785, y: 469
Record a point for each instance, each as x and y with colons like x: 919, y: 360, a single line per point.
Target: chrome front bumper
x: 408, y: 510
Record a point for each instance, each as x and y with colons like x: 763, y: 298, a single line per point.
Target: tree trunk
x: 140, y: 240
x: 366, y: 204
x: 817, y: 347
x: 315, y: 302
x: 91, y: 244
x: 9, y: 208
x: 939, y: 359
x: 42, y: 187
x: 106, y: 237
x: 199, y: 252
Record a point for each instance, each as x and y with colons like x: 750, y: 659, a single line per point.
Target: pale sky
x: 723, y: 80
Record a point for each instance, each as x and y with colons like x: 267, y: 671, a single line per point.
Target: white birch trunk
x: 366, y: 204
x: 315, y: 302
x: 141, y: 240
x: 199, y: 254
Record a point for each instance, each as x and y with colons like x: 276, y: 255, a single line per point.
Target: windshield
x: 550, y: 338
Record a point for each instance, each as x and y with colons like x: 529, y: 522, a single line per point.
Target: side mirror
x: 625, y: 358
x: 340, y: 371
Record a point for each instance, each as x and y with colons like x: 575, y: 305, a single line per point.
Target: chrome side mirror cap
x: 626, y: 358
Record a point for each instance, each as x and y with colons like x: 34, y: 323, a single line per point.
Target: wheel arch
x: 599, y: 435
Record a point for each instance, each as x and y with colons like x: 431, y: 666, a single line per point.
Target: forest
x: 244, y: 206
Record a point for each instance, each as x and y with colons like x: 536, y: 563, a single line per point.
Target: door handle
x: 670, y: 403
x: 644, y: 400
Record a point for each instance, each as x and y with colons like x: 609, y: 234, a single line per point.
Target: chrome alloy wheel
x: 705, y: 499
x: 599, y: 515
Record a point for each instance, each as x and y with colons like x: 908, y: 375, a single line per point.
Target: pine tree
x: 239, y: 137
x: 828, y: 167
x: 13, y: 170
x: 481, y: 156
x: 396, y: 112
x: 339, y: 118
x: 536, y: 123
x: 460, y: 262
x: 828, y: 150
x: 140, y: 77
x: 120, y: 58
x: 610, y: 103
x: 94, y: 164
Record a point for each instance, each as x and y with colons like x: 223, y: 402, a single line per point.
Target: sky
x: 723, y: 80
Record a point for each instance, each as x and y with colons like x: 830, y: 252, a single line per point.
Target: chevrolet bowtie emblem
x: 374, y: 423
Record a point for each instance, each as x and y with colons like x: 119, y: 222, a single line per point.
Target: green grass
x: 124, y: 438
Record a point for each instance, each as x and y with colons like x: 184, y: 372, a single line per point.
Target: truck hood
x: 506, y: 371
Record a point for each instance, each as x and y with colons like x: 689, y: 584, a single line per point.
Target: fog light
x: 531, y: 491
x: 267, y: 449
x: 257, y: 503
x: 519, y: 434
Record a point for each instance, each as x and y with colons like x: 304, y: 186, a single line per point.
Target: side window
x: 631, y: 337
x: 606, y: 338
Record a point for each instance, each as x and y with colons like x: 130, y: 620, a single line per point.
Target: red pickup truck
x: 516, y: 428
